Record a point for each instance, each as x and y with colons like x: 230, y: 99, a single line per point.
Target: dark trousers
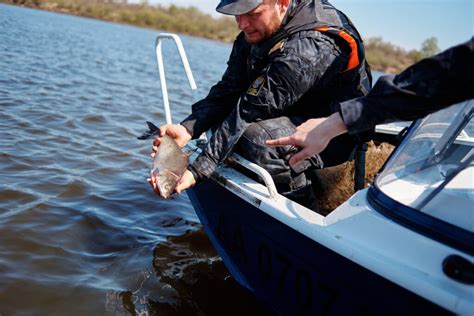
x: 294, y: 182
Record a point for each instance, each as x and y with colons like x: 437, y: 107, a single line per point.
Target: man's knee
x: 274, y: 159
x: 252, y: 145
x: 257, y: 133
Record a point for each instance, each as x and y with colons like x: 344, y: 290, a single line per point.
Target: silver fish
x: 169, y: 164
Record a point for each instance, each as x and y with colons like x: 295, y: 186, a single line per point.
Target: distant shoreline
x: 382, y: 56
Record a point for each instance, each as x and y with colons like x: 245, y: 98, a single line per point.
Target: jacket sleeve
x: 427, y: 86
x: 222, y: 97
x: 289, y: 74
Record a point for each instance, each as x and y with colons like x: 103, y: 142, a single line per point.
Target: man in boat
x: 427, y: 86
x: 293, y: 60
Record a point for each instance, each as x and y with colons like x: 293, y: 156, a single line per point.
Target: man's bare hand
x: 186, y: 181
x: 178, y: 132
x: 312, y: 136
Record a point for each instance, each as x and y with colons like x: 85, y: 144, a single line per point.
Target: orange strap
x: 354, y: 55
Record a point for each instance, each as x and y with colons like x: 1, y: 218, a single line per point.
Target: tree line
x: 381, y: 55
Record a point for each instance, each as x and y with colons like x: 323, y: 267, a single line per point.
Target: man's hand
x: 312, y: 136
x: 186, y: 181
x: 178, y: 132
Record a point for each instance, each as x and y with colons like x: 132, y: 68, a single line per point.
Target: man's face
x: 262, y: 22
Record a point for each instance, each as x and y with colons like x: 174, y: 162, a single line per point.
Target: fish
x: 169, y: 164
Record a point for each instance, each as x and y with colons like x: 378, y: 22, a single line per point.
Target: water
x: 81, y: 232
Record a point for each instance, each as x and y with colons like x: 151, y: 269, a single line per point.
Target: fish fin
x: 153, y: 130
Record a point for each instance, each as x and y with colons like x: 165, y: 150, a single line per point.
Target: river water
x: 81, y: 232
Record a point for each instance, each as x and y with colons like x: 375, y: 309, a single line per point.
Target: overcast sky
x: 406, y: 23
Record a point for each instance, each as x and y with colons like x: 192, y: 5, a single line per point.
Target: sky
x: 405, y: 23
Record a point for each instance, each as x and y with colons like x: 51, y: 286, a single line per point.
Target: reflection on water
x: 188, y: 278
x: 81, y: 233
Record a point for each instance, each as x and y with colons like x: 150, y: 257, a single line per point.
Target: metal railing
x: 266, y: 177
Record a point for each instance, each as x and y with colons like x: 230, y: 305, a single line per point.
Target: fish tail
x: 153, y: 130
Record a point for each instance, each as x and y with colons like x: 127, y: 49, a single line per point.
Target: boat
x: 404, y: 245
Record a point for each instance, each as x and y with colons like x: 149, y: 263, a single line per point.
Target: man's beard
x: 272, y: 30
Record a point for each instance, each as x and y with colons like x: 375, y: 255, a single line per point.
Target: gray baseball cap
x: 237, y: 7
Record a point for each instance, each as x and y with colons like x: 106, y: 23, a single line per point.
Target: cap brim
x: 238, y: 8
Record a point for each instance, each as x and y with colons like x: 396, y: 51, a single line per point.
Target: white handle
x: 267, y: 178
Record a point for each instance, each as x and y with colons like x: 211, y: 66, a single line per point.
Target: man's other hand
x: 186, y: 181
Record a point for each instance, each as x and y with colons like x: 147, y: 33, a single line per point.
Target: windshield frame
x: 420, y: 222
x: 412, y: 216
